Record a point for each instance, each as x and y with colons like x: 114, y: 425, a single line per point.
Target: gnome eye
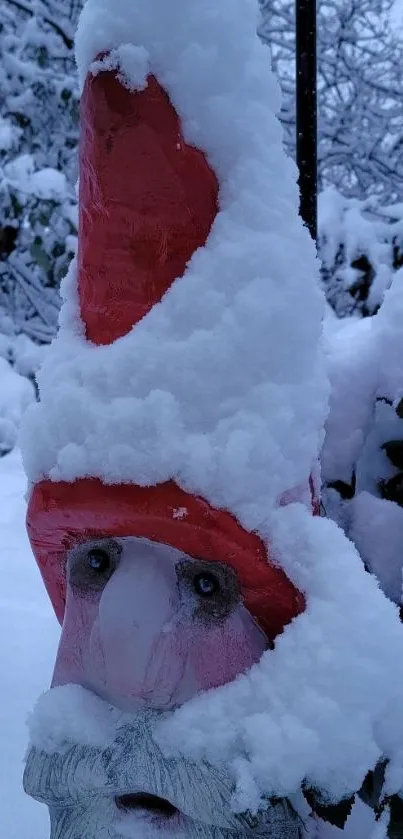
x: 209, y: 589
x: 91, y: 565
x: 98, y: 560
x: 206, y: 585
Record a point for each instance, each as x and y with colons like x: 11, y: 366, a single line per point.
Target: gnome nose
x: 132, y: 650
x: 134, y: 612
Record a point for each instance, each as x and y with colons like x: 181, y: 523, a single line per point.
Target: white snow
x: 397, y: 17
x: 390, y: 341
x: 8, y: 134
x: 222, y: 387
x: 29, y: 634
x: 130, y: 62
x: 352, y: 368
x: 58, y: 717
x: 351, y: 228
x: 226, y: 394
x: 16, y: 393
x: 376, y: 527
x: 47, y: 183
x: 27, y: 357
x: 365, y: 368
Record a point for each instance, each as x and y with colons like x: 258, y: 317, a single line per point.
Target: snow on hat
x: 199, y: 423
x: 148, y: 201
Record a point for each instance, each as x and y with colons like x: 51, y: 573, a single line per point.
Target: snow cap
x: 180, y: 233
x: 136, y: 237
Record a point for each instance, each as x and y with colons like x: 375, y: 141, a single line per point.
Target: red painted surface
x: 147, y: 202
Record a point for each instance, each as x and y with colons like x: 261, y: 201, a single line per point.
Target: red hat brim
x: 62, y: 514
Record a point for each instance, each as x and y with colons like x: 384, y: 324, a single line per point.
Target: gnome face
x: 147, y: 625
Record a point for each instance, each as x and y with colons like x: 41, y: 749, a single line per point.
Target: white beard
x: 80, y: 785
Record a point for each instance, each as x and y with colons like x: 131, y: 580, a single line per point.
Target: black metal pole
x: 306, y: 110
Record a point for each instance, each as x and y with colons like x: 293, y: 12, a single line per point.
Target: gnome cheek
x: 225, y: 651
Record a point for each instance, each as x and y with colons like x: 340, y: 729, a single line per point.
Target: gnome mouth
x: 144, y: 801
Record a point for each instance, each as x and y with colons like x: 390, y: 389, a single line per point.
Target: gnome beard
x: 148, y: 626
x: 129, y: 790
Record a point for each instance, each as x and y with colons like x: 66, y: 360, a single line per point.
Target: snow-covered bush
x: 38, y: 140
x: 20, y: 359
x: 363, y: 452
x: 361, y: 247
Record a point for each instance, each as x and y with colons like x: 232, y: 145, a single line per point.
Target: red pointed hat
x: 147, y: 202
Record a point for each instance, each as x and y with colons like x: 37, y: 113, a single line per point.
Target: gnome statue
x: 181, y: 416
x: 160, y: 595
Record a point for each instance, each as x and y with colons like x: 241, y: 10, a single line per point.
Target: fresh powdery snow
x: 16, y: 393
x: 29, y: 634
x: 348, y: 228
x: 222, y: 388
x: 366, y: 375
x: 211, y: 387
x: 45, y: 183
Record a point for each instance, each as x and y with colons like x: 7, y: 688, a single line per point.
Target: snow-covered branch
x: 360, y: 92
x: 40, y: 10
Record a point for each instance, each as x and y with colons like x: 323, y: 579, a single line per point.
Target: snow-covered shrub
x: 38, y: 140
x: 363, y: 452
x: 19, y: 359
x: 361, y: 247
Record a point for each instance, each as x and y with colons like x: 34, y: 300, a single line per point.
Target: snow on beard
x: 101, y: 772
x: 148, y: 625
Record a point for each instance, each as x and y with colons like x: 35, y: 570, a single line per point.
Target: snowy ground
x: 28, y: 633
